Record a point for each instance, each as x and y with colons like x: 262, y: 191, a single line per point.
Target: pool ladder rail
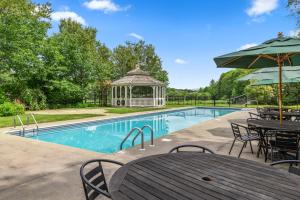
x: 23, y: 130
x: 140, y: 131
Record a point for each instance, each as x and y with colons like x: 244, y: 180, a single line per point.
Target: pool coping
x: 118, y: 117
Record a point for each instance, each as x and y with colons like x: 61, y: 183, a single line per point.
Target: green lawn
x: 8, y: 121
x: 130, y: 110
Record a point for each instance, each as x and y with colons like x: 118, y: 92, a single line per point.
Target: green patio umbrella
x: 281, y: 51
x: 268, y: 76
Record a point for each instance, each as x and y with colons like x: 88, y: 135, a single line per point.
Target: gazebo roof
x: 137, y: 77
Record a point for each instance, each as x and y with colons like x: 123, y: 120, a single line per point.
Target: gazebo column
x: 112, y: 95
x: 154, y: 92
x: 164, y: 96
x: 125, y: 95
x: 157, y: 93
x: 158, y: 96
x: 116, y: 95
x: 130, y: 96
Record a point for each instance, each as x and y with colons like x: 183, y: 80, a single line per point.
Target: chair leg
x: 272, y: 154
x: 232, y: 145
x: 259, y: 149
x: 245, y: 143
x: 251, y: 147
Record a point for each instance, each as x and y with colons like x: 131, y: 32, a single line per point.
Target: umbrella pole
x: 280, y: 89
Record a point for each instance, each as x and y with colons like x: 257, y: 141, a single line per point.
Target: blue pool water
x: 106, y: 136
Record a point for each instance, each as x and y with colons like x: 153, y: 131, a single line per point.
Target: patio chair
x: 200, y: 148
x: 292, y: 169
x: 284, y: 142
x: 244, y: 137
x: 93, y: 178
x: 254, y: 115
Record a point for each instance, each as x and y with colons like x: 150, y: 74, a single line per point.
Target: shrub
x: 64, y: 93
x: 10, y: 109
x: 2, y: 97
x: 34, y: 99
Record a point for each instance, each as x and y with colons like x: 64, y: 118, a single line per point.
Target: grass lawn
x: 8, y: 121
x: 130, y: 110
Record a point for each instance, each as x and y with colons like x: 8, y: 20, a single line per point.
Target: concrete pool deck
x: 33, y: 169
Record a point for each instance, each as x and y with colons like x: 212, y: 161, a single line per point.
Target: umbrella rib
x: 256, y: 59
x: 269, y: 57
x: 230, y: 61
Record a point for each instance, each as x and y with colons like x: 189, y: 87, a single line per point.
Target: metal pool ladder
x: 140, y: 132
x: 152, y: 135
x: 27, y: 123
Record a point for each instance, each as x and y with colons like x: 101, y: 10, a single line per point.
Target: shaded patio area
x: 38, y: 170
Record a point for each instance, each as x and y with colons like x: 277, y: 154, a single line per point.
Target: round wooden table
x: 186, y: 176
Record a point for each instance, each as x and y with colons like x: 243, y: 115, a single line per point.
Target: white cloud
x: 246, y: 46
x: 137, y: 36
x: 295, y: 33
x: 180, y: 61
x: 260, y: 7
x: 57, y: 16
x: 106, y: 6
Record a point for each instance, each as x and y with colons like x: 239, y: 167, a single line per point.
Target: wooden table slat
x: 284, y: 186
x: 196, y: 181
x: 235, y: 183
x: 180, y: 176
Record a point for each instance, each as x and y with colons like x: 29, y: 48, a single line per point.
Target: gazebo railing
x: 139, y: 102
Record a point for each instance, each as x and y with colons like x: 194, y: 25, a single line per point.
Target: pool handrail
x: 128, y: 135
x: 151, y: 132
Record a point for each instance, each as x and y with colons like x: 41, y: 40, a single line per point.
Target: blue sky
x: 187, y: 34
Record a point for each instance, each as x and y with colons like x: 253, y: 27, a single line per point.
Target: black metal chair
x: 284, y: 142
x: 242, y: 137
x: 254, y: 115
x: 292, y: 169
x: 201, y: 149
x: 93, y: 180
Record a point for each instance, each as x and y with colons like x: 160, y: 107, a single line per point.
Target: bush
x: 34, y: 99
x: 10, y: 109
x: 64, y: 93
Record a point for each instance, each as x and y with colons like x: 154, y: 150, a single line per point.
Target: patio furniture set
x: 190, y: 172
x: 276, y: 140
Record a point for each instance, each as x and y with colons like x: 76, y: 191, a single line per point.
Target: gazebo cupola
x: 138, y: 89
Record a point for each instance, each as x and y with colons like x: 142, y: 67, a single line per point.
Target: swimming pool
x: 106, y: 136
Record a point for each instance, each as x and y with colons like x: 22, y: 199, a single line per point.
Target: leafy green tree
x: 23, y: 29
x: 263, y: 94
x: 72, y: 57
x: 126, y: 57
x: 294, y: 6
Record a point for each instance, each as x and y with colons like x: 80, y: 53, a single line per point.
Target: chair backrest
x: 200, y: 148
x: 287, y: 140
x: 93, y: 178
x: 254, y: 115
x: 236, y: 130
x: 292, y: 168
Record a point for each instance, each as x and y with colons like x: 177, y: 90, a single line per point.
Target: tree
x: 73, y: 57
x: 263, y: 94
x: 126, y: 57
x: 23, y: 29
x: 294, y: 6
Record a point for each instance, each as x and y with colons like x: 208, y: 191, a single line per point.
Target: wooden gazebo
x: 138, y: 89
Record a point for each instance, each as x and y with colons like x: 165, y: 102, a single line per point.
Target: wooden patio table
x: 195, y: 176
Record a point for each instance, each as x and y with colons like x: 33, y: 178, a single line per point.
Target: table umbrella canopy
x: 267, y: 76
x: 264, y: 55
x: 281, y: 51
